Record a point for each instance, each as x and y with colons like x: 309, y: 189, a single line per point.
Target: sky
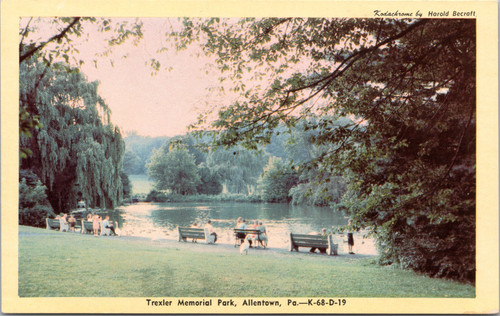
x: 163, y: 104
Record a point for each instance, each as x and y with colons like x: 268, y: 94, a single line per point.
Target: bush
x: 33, y: 204
x: 444, y: 250
x: 35, y: 216
x: 156, y: 196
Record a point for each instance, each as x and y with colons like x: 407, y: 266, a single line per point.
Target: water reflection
x: 160, y: 221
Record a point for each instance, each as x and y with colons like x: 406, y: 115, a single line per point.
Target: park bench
x: 52, y: 223
x: 313, y: 241
x: 195, y: 233
x: 245, y: 232
x: 78, y: 225
x: 57, y: 224
x: 87, y: 227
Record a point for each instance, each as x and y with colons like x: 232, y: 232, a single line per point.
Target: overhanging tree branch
x: 53, y: 38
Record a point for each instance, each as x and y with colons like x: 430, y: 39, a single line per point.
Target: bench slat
x: 191, y: 232
x: 247, y: 231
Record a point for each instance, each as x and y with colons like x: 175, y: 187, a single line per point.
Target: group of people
x: 96, y: 223
x: 70, y: 221
x: 260, y: 238
x: 91, y: 217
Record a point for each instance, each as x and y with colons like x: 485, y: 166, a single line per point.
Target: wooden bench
x: 194, y: 233
x: 245, y: 232
x: 87, y: 227
x: 313, y: 241
x: 57, y: 224
x: 52, y: 223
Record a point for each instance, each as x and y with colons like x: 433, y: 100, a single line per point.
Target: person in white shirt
x: 108, y: 225
x: 211, y: 230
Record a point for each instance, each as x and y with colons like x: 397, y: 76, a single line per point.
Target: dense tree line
x: 182, y: 165
x: 138, y: 151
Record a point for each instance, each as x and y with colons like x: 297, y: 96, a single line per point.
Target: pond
x: 160, y: 221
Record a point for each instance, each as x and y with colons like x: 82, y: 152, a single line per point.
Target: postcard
x: 243, y: 157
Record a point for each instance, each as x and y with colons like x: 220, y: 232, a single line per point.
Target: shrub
x: 33, y: 204
x: 156, y: 196
x: 35, y: 216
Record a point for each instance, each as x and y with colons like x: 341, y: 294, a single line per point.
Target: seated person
x: 324, y: 235
x: 194, y: 225
x: 241, y: 224
x: 108, y: 225
x: 252, y: 237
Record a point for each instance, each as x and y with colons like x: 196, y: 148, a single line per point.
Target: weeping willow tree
x: 75, y: 151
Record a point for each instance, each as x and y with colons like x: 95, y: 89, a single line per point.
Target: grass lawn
x: 141, y: 184
x: 55, y: 264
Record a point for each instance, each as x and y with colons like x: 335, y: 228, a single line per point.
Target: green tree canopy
x: 77, y: 152
x: 239, y: 169
x: 139, y: 150
x: 277, y: 180
x: 175, y: 170
x: 409, y: 87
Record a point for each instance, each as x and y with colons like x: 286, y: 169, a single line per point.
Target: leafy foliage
x: 139, y: 150
x: 409, y: 88
x: 156, y: 196
x: 239, y: 169
x: 210, y: 182
x: 60, y: 48
x: 76, y: 153
x: 319, y: 188
x: 126, y: 185
x: 33, y: 205
x: 175, y: 171
x: 277, y: 180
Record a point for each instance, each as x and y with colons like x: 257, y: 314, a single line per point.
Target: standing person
x: 210, y: 229
x: 350, y: 237
x: 96, y: 222
x: 262, y: 237
x: 72, y: 223
x: 63, y: 223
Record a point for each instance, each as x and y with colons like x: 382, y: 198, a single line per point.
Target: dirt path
x: 200, y: 246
